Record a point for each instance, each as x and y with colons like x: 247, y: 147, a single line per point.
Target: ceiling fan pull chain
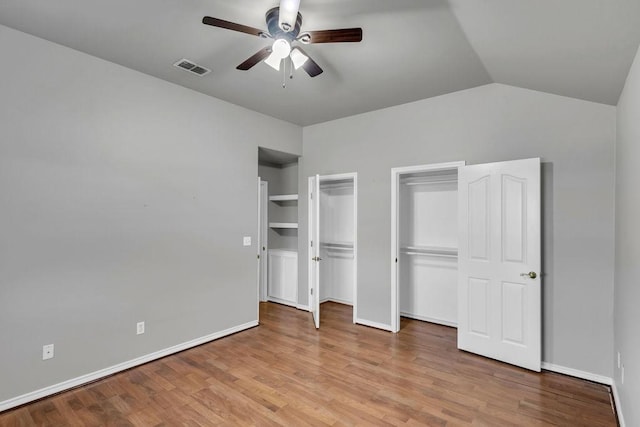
x: 284, y: 75
x: 290, y: 68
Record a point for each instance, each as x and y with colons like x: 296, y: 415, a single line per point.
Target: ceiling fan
x: 283, y: 25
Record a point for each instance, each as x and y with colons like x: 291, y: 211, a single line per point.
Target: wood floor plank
x: 285, y: 372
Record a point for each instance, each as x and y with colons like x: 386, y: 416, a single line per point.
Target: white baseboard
x: 74, y: 382
x: 336, y: 300
x: 374, y: 324
x: 303, y: 307
x: 617, y: 403
x: 429, y: 319
x: 576, y: 373
x: 283, y: 302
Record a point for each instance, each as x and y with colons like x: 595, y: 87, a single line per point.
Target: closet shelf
x: 430, y: 251
x: 283, y: 225
x: 283, y: 198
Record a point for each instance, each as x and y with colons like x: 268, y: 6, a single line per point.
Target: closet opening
x: 277, y: 227
x: 333, y: 243
x: 474, y: 264
x: 424, y: 240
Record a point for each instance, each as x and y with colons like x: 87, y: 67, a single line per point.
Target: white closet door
x: 314, y: 249
x: 499, y: 306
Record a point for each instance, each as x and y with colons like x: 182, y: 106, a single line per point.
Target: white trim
x: 303, y: 307
x: 258, y: 241
x: 282, y: 301
x: 430, y: 319
x: 395, y: 189
x: 617, y: 402
x: 337, y: 301
x: 355, y: 247
x: 576, y: 373
x: 353, y: 176
x: 372, y: 324
x: 338, y: 177
x: 87, y: 378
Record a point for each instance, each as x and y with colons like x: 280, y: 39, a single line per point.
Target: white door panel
x: 314, y: 248
x: 499, y: 244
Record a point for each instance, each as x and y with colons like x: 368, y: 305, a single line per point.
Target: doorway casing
x: 313, y: 251
x: 396, y: 175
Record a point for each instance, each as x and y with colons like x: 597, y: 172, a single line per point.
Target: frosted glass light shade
x: 281, y: 48
x: 273, y: 61
x: 298, y: 58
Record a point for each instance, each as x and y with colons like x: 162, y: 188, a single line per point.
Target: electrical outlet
x: 246, y: 240
x: 140, y: 328
x: 47, y: 351
x: 618, y: 360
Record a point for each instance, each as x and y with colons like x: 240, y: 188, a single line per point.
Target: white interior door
x: 314, y: 248
x: 499, y: 308
x: 263, y: 233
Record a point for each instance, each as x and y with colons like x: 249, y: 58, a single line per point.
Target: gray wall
x: 627, y: 272
x: 124, y: 198
x: 575, y: 140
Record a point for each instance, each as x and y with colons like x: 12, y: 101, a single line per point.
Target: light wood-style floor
x: 284, y: 372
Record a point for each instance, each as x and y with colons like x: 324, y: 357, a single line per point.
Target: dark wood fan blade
x: 344, y: 35
x: 310, y: 65
x: 221, y: 23
x: 257, y: 57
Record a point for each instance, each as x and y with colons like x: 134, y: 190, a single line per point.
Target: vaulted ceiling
x: 411, y: 49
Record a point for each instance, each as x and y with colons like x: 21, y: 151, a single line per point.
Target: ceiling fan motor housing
x: 272, y: 18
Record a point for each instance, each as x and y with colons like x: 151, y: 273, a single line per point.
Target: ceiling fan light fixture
x: 281, y: 48
x: 288, y: 14
x: 298, y: 58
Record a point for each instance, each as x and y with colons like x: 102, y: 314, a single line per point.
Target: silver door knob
x: 530, y: 275
x: 316, y: 258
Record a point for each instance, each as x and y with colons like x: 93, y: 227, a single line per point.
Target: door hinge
x: 258, y: 256
x: 311, y: 291
x: 396, y: 259
x: 312, y: 243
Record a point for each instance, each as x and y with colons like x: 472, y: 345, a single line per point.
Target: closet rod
x: 336, y: 246
x: 430, y: 251
x: 430, y: 254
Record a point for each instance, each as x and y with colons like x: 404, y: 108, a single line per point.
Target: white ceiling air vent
x: 192, y: 67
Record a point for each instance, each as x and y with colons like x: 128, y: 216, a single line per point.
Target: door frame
x: 324, y: 179
x: 396, y: 175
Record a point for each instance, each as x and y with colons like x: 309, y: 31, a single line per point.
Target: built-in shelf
x: 430, y: 251
x: 283, y: 225
x: 283, y: 198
